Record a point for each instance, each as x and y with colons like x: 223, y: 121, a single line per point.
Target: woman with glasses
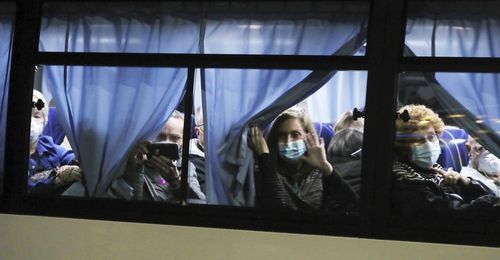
x: 421, y: 187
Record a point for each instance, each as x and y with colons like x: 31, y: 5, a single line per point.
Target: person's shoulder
x: 194, y: 150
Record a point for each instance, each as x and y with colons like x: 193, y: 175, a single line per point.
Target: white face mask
x: 489, y: 164
x: 292, y: 151
x: 35, y: 129
x: 425, y: 155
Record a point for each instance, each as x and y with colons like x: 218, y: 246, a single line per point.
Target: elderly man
x: 483, y: 166
x: 158, y: 177
x: 51, y: 167
x: 197, y: 149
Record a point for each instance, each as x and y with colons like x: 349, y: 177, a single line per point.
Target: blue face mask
x: 425, y: 155
x: 292, y: 151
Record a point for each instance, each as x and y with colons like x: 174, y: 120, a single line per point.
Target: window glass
x: 453, y: 29
x: 447, y: 145
x: 261, y: 150
x: 92, y: 125
x: 107, y: 132
x: 7, y: 11
x: 220, y: 27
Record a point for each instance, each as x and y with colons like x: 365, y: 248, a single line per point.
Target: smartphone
x: 168, y: 150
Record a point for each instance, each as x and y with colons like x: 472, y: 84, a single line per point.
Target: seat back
x: 325, y: 131
x: 453, y: 151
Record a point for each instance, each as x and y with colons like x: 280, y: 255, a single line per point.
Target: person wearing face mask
x: 52, y: 168
x: 293, y: 170
x: 483, y: 166
x: 421, y: 187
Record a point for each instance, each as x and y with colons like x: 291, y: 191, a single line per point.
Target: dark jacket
x: 314, y: 192
x: 422, y: 193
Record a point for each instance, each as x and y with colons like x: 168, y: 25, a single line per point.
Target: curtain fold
x: 151, y: 27
x: 6, y: 27
x: 235, y: 98
x: 347, y: 88
x: 105, y: 110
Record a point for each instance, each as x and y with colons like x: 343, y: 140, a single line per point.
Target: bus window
x: 447, y: 145
x: 112, y: 117
x: 271, y: 138
x: 214, y: 27
x: 453, y: 29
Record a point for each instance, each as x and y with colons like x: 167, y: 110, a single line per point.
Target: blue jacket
x: 47, y: 157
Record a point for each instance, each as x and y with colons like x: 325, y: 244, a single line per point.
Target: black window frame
x: 383, y: 61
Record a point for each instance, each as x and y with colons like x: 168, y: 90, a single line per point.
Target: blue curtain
x: 236, y: 97
x: 105, y: 110
x: 6, y: 26
x: 454, y: 34
x: 478, y: 92
x: 346, y: 88
x: 233, y: 96
x: 307, y: 34
x: 453, y: 31
x: 119, y: 27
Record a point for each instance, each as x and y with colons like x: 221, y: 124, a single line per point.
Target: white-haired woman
x: 52, y: 168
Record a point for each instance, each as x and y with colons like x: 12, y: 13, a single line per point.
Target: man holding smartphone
x: 153, y: 168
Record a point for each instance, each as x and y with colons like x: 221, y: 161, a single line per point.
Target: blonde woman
x: 293, y: 170
x: 422, y: 187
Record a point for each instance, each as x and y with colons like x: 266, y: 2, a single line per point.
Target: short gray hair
x: 345, y: 142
